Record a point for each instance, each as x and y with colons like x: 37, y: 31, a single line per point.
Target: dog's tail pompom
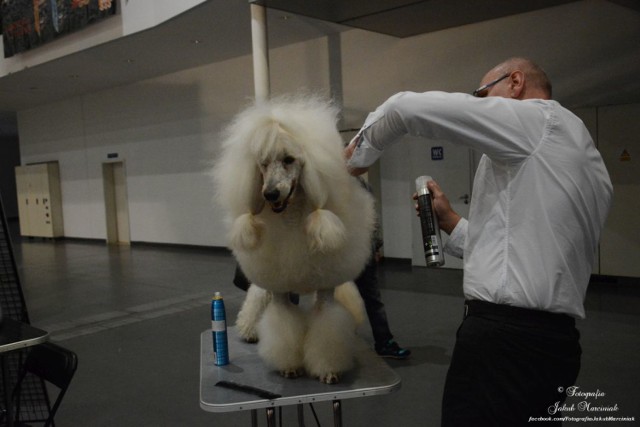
x: 349, y: 296
x: 246, y: 232
x: 325, y: 230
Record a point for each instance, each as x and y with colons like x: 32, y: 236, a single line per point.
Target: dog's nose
x: 271, y: 195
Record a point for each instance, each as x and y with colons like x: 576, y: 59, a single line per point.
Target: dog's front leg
x: 282, y: 330
x: 252, y: 309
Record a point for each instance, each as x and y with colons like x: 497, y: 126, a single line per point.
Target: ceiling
x: 405, y: 18
x: 213, y: 31
x: 222, y: 29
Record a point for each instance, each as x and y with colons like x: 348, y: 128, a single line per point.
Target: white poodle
x: 298, y: 223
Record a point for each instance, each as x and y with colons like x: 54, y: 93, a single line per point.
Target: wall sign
x: 625, y: 156
x: 437, y: 153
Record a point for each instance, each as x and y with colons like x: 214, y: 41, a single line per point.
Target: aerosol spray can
x: 219, y: 330
x: 429, y: 223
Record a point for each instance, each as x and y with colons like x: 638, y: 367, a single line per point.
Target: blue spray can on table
x: 219, y: 331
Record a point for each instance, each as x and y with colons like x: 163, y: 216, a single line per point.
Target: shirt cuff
x: 456, y: 242
x: 364, y: 155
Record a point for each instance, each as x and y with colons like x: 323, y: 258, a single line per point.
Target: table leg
x: 337, y: 413
x: 254, y: 418
x: 271, y: 417
x: 7, y: 392
x: 300, y: 415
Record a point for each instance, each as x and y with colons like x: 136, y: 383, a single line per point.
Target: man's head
x: 516, y: 78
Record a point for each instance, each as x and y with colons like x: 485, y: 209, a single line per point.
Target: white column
x: 260, y: 52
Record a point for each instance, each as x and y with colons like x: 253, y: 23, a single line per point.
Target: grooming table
x: 370, y: 376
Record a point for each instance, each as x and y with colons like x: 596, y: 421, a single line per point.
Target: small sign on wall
x: 625, y: 156
x: 437, y: 153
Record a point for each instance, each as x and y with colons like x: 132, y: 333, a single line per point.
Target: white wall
x: 165, y: 131
x: 161, y: 127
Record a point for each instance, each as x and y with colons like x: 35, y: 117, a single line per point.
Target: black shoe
x: 392, y: 350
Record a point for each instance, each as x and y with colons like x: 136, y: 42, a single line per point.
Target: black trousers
x: 509, y: 364
x: 367, y: 284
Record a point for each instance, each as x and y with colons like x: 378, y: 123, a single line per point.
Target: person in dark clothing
x: 367, y: 283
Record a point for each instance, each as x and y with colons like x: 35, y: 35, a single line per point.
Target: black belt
x: 517, y: 314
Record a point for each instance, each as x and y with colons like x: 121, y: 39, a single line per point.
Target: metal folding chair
x: 33, y: 393
x: 55, y: 365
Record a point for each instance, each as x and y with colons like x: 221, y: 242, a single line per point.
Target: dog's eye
x: 289, y: 159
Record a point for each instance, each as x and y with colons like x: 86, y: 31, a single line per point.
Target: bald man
x: 541, y: 195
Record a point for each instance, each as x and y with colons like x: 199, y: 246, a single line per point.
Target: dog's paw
x: 246, y: 232
x: 251, y: 338
x: 325, y: 230
x: 292, y: 373
x: 329, y: 378
x: 246, y: 329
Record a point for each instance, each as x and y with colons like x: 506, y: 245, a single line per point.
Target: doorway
x: 116, y: 203
x: 453, y: 166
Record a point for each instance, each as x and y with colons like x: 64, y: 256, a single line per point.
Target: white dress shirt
x: 541, y: 193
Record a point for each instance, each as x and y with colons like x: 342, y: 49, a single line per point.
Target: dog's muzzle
x: 273, y: 197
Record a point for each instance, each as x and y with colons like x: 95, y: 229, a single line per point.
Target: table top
x: 15, y: 335
x: 370, y: 376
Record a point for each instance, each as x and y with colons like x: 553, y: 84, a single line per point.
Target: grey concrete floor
x: 134, y: 317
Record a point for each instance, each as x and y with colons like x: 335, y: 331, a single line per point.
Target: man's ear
x: 516, y: 84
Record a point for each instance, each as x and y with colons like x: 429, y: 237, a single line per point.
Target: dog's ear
x: 315, y: 186
x: 242, y: 185
x: 323, y: 180
x: 246, y: 230
x: 254, y: 192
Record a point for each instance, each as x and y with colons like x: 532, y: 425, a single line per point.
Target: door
x: 116, y: 203
x: 618, y: 130
x: 22, y: 189
x: 34, y: 200
x: 453, y: 167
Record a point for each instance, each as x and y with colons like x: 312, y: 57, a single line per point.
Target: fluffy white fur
x: 298, y: 223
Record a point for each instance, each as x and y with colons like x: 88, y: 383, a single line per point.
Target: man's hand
x: 348, y: 152
x: 447, y: 217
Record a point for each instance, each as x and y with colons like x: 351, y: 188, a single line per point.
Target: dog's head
x: 281, y: 168
x: 278, y: 153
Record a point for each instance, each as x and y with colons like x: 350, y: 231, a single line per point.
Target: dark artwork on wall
x: 30, y: 23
